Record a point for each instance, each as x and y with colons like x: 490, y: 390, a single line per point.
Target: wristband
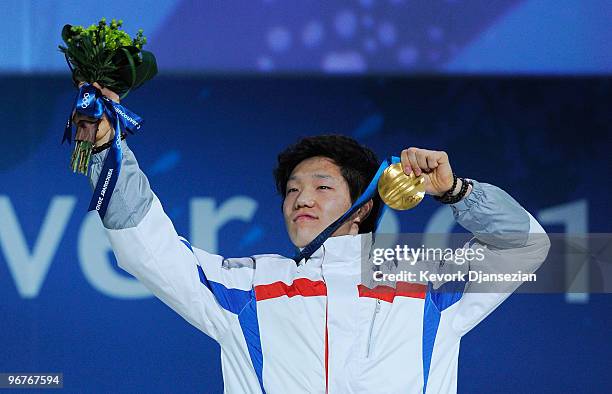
x: 106, y: 145
x: 448, y: 198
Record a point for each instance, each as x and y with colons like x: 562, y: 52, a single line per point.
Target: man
x: 312, y: 327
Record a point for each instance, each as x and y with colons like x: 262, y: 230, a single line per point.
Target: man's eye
x: 293, y: 189
x: 324, y: 187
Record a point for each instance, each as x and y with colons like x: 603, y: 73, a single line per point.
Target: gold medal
x: 400, y: 191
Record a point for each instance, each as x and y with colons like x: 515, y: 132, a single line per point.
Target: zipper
x: 326, y: 326
x: 370, y: 346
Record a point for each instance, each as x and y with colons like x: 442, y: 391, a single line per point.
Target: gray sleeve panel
x: 132, y: 196
x: 493, y: 216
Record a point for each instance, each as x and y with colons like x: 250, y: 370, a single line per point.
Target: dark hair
x: 358, y: 165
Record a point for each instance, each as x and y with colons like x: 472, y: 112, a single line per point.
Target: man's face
x: 317, y: 195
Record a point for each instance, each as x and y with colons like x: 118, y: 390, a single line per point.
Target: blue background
x: 545, y: 140
x: 329, y: 36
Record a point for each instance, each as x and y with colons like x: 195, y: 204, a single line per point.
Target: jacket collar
x: 344, y: 251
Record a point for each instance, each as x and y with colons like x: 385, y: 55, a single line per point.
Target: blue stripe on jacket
x: 243, y: 304
x: 436, y: 301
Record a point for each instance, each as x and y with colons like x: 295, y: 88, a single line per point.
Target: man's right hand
x: 105, y: 131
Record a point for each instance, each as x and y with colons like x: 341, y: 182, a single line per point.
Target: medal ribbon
x: 365, y: 197
x: 90, y: 102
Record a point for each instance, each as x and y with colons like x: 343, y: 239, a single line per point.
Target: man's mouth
x: 304, y: 218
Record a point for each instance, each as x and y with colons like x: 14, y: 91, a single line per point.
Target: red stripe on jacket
x: 387, y: 293
x: 300, y: 287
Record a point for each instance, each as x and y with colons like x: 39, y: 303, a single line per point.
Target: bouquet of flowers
x: 105, y: 54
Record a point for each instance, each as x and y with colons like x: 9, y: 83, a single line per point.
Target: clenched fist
x: 435, y: 167
x: 98, y: 131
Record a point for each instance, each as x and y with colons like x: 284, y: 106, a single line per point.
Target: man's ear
x: 360, y: 216
x: 362, y: 213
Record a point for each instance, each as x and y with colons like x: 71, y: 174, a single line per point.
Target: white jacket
x: 313, y: 327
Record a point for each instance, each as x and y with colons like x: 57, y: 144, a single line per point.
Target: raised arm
x: 509, y: 237
x: 189, y: 280
x: 511, y: 240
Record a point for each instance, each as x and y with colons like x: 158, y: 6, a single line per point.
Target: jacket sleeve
x: 510, y: 239
x: 189, y: 280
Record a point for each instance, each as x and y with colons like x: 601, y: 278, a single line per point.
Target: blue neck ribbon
x: 90, y: 102
x: 370, y: 191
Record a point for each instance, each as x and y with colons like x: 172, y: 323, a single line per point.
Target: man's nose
x: 305, y: 199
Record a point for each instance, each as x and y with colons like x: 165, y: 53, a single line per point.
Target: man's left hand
x: 434, y: 165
